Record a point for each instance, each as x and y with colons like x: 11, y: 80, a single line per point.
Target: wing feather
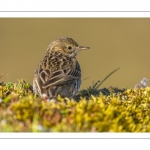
x: 62, y: 77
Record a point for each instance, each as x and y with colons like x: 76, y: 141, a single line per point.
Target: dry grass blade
x: 96, y: 87
x: 1, y: 82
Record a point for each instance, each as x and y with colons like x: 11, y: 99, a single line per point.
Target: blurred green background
x: 114, y: 42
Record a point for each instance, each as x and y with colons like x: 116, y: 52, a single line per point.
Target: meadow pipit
x: 59, y: 72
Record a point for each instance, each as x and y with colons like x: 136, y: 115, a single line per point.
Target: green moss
x: 91, y: 110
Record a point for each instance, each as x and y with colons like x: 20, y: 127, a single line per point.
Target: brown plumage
x: 59, y: 72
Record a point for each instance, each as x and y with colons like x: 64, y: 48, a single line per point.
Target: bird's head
x: 67, y: 46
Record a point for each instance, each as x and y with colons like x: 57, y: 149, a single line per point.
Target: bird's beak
x: 83, y: 48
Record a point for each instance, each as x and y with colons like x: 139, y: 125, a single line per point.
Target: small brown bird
x: 59, y: 72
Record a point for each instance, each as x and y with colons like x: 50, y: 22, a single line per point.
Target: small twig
x: 85, y: 78
x: 1, y: 75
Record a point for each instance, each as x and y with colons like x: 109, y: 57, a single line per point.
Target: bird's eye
x: 69, y: 47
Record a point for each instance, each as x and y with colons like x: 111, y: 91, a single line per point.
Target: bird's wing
x: 61, y: 77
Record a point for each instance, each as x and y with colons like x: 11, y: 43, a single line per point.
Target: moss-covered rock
x: 92, y: 110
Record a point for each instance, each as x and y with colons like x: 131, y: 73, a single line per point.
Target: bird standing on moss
x: 59, y: 72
